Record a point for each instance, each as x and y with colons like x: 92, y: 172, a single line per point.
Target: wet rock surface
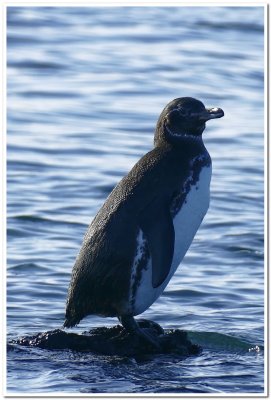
x: 114, y: 341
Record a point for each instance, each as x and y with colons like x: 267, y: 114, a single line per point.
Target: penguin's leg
x: 131, y: 326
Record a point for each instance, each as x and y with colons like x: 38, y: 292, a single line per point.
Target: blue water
x: 85, y: 88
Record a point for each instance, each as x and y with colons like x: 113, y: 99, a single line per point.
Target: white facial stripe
x: 177, y: 134
x: 171, y: 111
x: 169, y: 131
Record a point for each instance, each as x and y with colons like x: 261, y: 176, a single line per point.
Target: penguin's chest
x: 189, y: 215
x: 188, y: 209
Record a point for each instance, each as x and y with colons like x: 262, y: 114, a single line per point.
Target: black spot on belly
x: 179, y: 197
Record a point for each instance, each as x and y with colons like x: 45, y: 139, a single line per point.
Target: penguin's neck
x: 166, y: 135
x: 173, y: 134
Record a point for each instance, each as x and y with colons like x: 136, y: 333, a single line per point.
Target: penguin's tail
x: 71, y: 319
x: 69, y: 323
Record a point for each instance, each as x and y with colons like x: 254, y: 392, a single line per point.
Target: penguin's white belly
x: 186, y: 224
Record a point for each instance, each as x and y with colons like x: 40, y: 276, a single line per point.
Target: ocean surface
x: 85, y: 88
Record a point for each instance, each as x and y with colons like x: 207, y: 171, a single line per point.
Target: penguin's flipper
x: 159, y: 231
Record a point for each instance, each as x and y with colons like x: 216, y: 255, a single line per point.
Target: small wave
x: 185, y: 293
x: 25, y: 165
x: 236, y: 26
x: 222, y: 342
x: 17, y: 232
x: 40, y: 65
x: 50, y: 151
x: 29, y: 267
x: 18, y: 19
x: 15, y: 40
x: 253, y: 253
x: 37, y: 219
x: 48, y: 94
x: 31, y: 218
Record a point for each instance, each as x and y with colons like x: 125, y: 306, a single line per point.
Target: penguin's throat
x: 172, y: 132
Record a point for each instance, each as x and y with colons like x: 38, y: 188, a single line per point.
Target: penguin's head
x: 184, y: 116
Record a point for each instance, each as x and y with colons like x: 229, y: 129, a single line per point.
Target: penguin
x: 140, y: 235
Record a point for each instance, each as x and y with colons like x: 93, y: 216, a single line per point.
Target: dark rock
x: 114, y: 341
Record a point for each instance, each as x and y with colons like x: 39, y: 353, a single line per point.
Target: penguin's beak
x: 211, y: 113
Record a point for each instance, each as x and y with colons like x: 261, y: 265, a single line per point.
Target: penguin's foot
x: 131, y: 326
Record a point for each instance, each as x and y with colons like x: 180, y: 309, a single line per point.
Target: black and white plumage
x: 142, y: 232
